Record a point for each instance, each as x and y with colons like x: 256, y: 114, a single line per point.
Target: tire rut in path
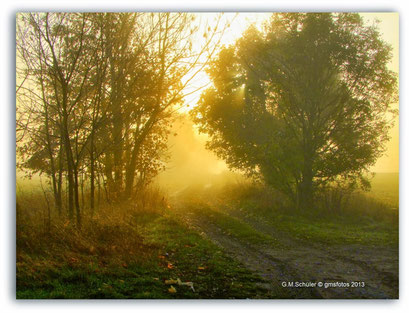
x: 346, y: 263
x: 271, y: 269
x: 297, y: 263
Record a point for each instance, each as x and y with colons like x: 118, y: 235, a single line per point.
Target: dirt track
x: 301, y: 261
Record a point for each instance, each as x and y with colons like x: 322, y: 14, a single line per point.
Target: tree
x: 96, y: 93
x: 150, y: 65
x: 59, y: 57
x: 303, y: 104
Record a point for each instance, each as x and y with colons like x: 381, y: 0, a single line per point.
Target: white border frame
x: 7, y: 133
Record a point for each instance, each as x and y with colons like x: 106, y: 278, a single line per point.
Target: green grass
x: 364, y: 218
x: 197, y: 260
x: 336, y: 230
x: 170, y: 252
x: 236, y: 228
x: 322, y: 228
x: 128, y: 255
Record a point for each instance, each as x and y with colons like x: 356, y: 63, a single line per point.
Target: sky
x: 389, y: 28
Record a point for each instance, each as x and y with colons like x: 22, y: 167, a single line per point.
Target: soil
x: 301, y: 261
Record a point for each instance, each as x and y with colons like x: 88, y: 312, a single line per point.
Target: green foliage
x: 302, y: 104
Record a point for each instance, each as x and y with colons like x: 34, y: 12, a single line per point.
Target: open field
x: 385, y: 186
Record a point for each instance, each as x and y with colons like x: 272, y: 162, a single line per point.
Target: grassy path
x: 279, y: 257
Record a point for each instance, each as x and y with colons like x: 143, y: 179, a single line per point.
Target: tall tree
x: 96, y: 95
x: 302, y: 104
x: 59, y: 55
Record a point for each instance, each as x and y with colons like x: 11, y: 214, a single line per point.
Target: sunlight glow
x: 238, y: 22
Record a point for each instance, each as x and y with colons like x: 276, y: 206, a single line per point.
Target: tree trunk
x: 305, y: 189
x: 109, y: 181
x: 70, y: 177
x: 118, y: 147
x: 92, y: 176
x: 131, y: 167
x: 82, y: 182
x: 130, y: 175
x: 52, y: 162
x: 130, y: 171
x: 99, y: 190
x: 59, y: 182
x: 77, y: 202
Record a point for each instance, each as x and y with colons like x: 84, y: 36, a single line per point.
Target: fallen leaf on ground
x: 172, y: 289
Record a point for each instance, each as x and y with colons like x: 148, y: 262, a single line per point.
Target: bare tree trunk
x: 47, y: 221
x: 82, y: 183
x: 70, y: 176
x: 130, y: 173
x: 76, y: 196
x: 52, y: 161
x: 59, y: 182
x: 305, y: 188
x: 118, y: 147
x: 131, y: 168
x: 109, y: 181
x: 92, y: 175
x: 99, y: 189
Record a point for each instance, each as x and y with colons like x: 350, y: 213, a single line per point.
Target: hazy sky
x: 389, y: 28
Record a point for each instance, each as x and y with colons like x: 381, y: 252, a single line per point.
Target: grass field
x: 385, y: 186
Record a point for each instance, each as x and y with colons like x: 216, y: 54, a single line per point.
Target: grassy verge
x: 234, y: 227
x: 148, y: 256
x: 336, y: 231
x: 326, y: 229
x: 194, y: 259
x: 363, y: 220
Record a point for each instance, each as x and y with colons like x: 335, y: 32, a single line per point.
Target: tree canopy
x: 96, y: 94
x: 302, y: 104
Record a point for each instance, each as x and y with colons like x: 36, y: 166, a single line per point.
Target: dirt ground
x: 300, y: 261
